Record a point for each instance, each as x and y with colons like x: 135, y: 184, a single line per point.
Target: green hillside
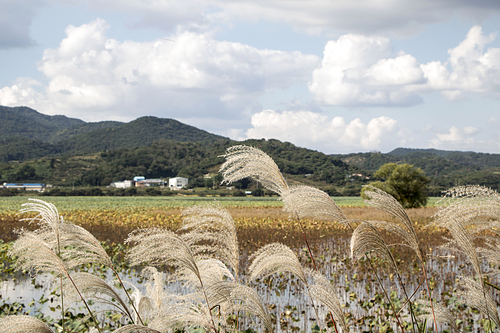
x: 138, y: 133
x: 445, y: 168
x: 28, y: 134
x: 165, y: 158
x: 61, y: 150
x: 30, y: 124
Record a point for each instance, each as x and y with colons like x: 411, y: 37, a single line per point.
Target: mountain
x: 138, y: 133
x: 28, y: 123
x: 29, y: 134
x: 59, y: 150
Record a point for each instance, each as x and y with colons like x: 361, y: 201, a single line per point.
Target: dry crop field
x: 112, y: 220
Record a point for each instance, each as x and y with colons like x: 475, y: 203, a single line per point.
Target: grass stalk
x: 83, y: 300
x: 126, y: 292
x: 429, y: 293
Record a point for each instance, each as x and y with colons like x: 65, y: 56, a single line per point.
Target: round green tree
x: 404, y: 182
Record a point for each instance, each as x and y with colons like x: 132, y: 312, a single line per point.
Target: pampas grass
x: 204, y: 256
x: 23, y: 324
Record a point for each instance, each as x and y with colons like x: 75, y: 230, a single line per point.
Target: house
x: 177, y: 183
x: 25, y: 186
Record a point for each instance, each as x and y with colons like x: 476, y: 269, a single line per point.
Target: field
x: 261, y: 221
x: 113, y: 218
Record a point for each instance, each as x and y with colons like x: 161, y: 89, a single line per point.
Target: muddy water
x: 358, y: 289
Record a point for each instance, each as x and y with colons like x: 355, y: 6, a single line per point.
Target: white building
x: 177, y: 183
x: 123, y: 184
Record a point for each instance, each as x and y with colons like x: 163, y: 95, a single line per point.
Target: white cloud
x: 189, y: 77
x: 361, y: 70
x: 21, y: 93
x: 316, y: 131
x: 468, y: 69
x: 466, y: 138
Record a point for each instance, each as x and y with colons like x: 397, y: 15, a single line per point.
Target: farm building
x: 25, y: 186
x: 177, y: 183
x: 150, y: 182
x: 123, y: 184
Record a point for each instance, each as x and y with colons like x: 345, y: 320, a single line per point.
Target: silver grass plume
x: 215, y: 226
x: 154, y: 302
x: 187, y: 312
x: 49, y: 219
x: 160, y: 246
x: 469, y: 205
x: 47, y: 213
x: 323, y: 291
x: 243, y: 161
x: 475, y: 296
x: 366, y: 238
x: 463, y: 240
x: 83, y: 247
x: 273, y: 258
x: 308, y: 202
x: 95, y: 288
x: 143, y: 303
x: 132, y: 328
x: 211, y: 271
x: 491, y: 251
x: 277, y: 257
x: 23, y: 324
x: 242, y: 298
x: 442, y: 313
x: 403, y: 227
x: 36, y: 255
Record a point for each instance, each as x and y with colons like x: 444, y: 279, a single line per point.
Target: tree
x: 404, y: 182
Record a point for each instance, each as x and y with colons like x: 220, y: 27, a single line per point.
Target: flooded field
x: 359, y: 291
x: 363, y: 288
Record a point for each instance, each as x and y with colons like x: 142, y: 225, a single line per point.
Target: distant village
x: 176, y: 183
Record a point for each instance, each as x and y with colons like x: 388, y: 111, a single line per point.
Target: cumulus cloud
x: 21, y: 93
x: 189, y: 76
x: 456, y: 139
x: 468, y: 69
x: 313, y: 130
x: 361, y: 70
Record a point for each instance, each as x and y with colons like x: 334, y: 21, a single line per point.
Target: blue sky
x: 333, y: 76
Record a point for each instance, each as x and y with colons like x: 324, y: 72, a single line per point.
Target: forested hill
x: 138, y: 133
x: 164, y: 159
x: 26, y: 134
x: 28, y: 123
x: 445, y: 168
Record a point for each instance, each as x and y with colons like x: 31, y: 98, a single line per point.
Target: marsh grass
x: 231, y: 264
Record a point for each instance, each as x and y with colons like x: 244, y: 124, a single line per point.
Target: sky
x: 329, y: 75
